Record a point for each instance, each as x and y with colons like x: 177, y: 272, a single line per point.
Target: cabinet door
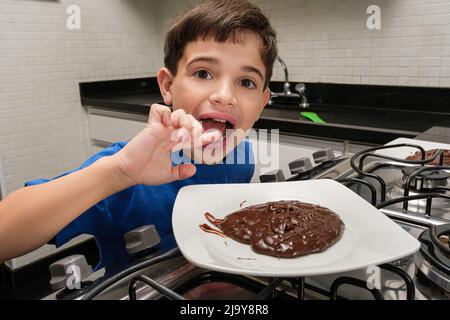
x: 111, y: 129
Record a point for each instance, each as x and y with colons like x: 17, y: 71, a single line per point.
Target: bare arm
x: 31, y: 216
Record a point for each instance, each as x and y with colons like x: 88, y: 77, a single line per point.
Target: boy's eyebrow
x: 203, y: 59
x: 253, y: 69
x: 216, y: 61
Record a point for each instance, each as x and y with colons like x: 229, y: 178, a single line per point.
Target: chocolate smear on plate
x: 285, y: 229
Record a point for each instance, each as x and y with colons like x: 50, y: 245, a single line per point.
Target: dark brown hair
x: 220, y: 20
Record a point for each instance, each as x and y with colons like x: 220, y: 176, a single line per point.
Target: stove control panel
x: 141, y: 239
x: 324, y: 155
x: 272, y: 176
x: 306, y: 168
x: 69, y: 272
x: 301, y: 165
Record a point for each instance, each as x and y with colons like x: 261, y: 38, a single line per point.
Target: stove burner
x: 441, y: 239
x: 434, y: 258
x: 428, y: 179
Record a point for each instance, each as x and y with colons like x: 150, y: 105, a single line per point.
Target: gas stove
x: 411, y: 192
x: 416, y: 196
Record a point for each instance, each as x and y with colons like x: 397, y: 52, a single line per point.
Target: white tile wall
x: 43, y: 128
x: 328, y: 41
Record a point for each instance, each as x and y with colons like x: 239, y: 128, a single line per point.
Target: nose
x: 224, y: 94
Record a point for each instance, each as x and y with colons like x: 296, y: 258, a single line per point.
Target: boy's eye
x: 203, y: 74
x: 248, y: 83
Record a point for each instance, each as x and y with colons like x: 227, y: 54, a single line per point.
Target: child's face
x: 220, y: 81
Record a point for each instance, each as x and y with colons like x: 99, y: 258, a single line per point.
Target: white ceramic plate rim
x: 358, y: 247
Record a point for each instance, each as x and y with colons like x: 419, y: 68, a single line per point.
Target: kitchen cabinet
x: 107, y: 126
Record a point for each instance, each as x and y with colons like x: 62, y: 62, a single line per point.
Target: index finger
x: 197, y: 128
x: 159, y: 114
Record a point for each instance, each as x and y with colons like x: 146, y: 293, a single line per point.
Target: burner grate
x: 273, y: 289
x: 431, y: 179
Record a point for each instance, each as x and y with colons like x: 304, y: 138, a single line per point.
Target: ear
x: 266, y: 97
x: 165, y: 80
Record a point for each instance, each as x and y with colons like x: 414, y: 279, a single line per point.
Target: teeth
x: 220, y: 120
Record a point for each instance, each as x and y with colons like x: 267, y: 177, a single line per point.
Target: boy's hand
x: 146, y: 158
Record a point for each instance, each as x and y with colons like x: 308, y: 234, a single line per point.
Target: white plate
x: 370, y: 238
x: 403, y: 152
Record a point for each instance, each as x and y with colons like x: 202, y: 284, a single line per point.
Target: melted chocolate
x: 429, y: 154
x: 284, y: 229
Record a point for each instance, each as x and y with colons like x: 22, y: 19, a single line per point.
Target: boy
x: 218, y: 63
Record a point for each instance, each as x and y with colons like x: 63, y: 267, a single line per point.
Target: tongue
x: 213, y: 125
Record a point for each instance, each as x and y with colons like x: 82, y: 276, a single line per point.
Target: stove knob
x: 323, y: 155
x: 272, y: 176
x: 142, y: 238
x: 69, y: 272
x: 300, y: 165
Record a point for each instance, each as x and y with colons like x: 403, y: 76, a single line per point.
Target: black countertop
x: 361, y: 124
x: 438, y: 133
x: 135, y: 102
x: 377, y: 119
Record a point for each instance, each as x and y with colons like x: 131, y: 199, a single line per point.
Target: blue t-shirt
x: 140, y: 205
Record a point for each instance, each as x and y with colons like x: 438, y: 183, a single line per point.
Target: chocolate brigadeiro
x: 429, y: 154
x: 285, y: 229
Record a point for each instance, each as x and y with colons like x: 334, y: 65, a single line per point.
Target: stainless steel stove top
x: 419, y: 208
x: 391, y: 174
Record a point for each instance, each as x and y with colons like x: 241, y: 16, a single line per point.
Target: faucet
x: 287, y: 93
x: 300, y: 88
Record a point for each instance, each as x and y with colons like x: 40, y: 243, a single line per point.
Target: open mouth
x: 219, y: 122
